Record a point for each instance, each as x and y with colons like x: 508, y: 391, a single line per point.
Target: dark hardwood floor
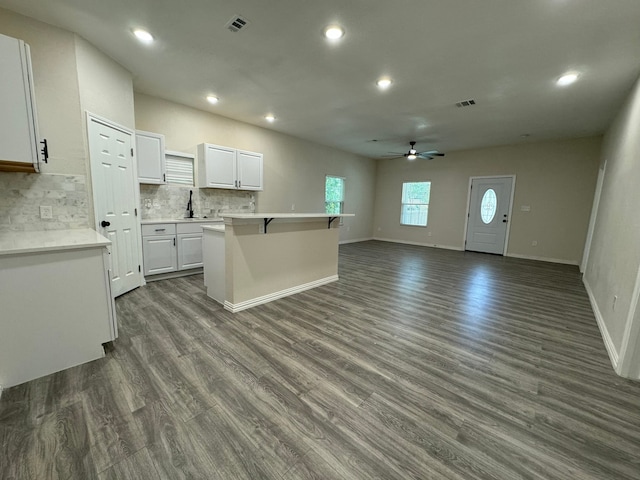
x: 418, y: 364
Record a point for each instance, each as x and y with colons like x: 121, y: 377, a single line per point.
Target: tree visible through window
x: 334, y: 195
x: 415, y: 203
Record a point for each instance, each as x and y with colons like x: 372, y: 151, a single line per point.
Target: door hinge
x: 136, y: 211
x: 132, y: 152
x: 139, y: 268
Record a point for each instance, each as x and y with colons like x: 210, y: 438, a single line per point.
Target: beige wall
x: 106, y: 88
x: 57, y: 93
x: 294, y: 169
x: 614, y: 260
x: 556, y: 179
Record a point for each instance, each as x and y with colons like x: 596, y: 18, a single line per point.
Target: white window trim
x: 427, y: 204
x: 344, y: 193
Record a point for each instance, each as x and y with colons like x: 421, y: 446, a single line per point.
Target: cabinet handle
x: 160, y: 229
x: 174, y: 242
x: 239, y: 184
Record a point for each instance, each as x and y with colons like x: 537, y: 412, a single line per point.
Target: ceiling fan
x: 412, y: 154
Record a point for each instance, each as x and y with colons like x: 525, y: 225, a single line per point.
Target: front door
x: 489, y: 210
x: 114, y: 184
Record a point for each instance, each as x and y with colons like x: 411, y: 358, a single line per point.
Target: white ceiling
x: 505, y: 54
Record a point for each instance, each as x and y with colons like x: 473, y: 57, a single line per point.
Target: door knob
x: 104, y: 223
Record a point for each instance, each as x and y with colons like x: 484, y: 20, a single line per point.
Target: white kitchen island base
x: 268, y: 256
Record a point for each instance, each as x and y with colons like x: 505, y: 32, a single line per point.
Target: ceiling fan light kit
x: 413, y: 154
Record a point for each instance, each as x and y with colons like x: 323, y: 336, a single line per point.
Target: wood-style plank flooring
x: 418, y: 364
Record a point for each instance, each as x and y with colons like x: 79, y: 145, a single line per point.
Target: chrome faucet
x: 190, y: 205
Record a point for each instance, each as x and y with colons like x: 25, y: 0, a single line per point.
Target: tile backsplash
x: 22, y: 194
x: 170, y: 201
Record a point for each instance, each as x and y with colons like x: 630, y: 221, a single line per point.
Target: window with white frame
x: 415, y: 203
x: 334, y: 195
x: 179, y: 168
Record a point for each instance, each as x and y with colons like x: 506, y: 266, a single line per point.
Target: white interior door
x: 489, y: 210
x: 114, y: 184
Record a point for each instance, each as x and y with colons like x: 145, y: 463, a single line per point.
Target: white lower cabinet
x: 172, y: 247
x: 189, y: 250
x: 159, y: 254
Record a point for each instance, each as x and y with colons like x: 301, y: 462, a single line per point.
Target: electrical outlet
x: 261, y: 228
x: 534, y: 243
x: 428, y: 234
x: 46, y: 212
x: 293, y: 207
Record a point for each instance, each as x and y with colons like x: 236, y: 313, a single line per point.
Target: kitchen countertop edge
x: 13, y: 243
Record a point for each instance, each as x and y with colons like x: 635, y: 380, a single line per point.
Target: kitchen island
x: 260, y: 257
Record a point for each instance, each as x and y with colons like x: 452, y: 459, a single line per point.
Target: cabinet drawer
x: 189, y: 227
x: 159, y: 229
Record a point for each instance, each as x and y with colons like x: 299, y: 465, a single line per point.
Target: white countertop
x: 12, y: 243
x: 181, y: 220
x: 285, y: 215
x: 214, y: 228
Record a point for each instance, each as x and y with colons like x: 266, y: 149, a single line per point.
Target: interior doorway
x: 114, y: 183
x: 488, y: 215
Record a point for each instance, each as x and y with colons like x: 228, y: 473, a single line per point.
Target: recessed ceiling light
x: 567, y: 79
x: 270, y: 118
x: 212, y: 99
x: 334, y: 32
x: 384, y: 83
x: 143, y: 36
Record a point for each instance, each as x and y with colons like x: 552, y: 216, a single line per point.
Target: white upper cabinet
x: 224, y: 167
x: 18, y: 120
x: 150, y: 157
x: 216, y: 166
x: 249, y: 170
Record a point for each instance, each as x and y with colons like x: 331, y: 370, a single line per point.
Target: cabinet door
x: 189, y: 251
x: 150, y: 157
x: 249, y: 170
x: 217, y: 166
x: 159, y: 254
x: 18, y: 128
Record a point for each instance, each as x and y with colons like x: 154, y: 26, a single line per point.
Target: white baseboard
x: 355, y: 240
x: 237, y: 307
x: 177, y: 274
x: 544, y: 259
x: 606, y: 337
x: 419, y: 244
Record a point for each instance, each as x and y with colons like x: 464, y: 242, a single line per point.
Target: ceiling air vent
x: 466, y: 103
x: 237, y: 23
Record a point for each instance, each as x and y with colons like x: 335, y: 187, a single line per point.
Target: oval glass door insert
x: 488, y: 206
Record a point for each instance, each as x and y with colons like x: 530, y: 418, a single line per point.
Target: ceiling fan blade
x: 434, y: 153
x: 425, y: 157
